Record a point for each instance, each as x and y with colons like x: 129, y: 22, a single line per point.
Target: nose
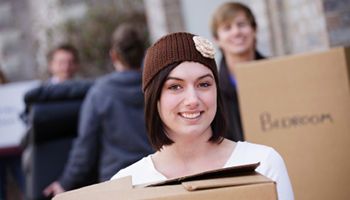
x: 191, y: 99
x: 235, y: 30
x: 64, y: 65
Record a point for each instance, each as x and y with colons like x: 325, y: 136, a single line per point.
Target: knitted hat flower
x: 204, y: 46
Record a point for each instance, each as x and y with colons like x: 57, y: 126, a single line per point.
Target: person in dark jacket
x: 234, y: 29
x: 112, y: 131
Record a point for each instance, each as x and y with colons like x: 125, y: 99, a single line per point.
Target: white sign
x: 12, y: 128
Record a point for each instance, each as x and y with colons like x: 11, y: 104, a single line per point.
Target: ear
x: 113, y: 55
x: 216, y: 41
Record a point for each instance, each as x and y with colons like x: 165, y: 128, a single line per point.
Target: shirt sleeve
x: 84, y: 153
x: 275, y: 169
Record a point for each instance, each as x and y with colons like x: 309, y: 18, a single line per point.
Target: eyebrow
x: 199, y: 78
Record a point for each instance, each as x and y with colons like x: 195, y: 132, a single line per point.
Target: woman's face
x: 236, y: 37
x: 188, y: 101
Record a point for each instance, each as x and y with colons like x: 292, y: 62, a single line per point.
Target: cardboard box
x: 300, y: 105
x: 240, y: 182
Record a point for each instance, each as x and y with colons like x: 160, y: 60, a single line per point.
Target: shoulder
x: 104, y: 80
x: 255, y: 150
x: 101, y: 84
x: 142, y: 172
x: 270, y: 160
x: 266, y: 153
x: 133, y: 169
x: 247, y: 153
x: 271, y: 165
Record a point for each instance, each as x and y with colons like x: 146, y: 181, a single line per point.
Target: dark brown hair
x: 65, y: 47
x: 154, y: 124
x: 129, y: 44
x: 227, y: 12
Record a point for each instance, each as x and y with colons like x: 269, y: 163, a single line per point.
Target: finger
x: 47, y: 191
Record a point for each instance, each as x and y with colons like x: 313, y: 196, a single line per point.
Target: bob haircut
x: 154, y: 125
x: 227, y: 12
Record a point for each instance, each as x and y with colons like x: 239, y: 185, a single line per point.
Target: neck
x: 233, y: 59
x: 56, y: 79
x: 119, y: 67
x: 185, y: 159
x: 187, y: 148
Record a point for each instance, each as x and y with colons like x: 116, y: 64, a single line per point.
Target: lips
x: 190, y: 115
x: 237, y: 41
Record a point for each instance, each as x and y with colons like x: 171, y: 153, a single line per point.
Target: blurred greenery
x: 91, y: 35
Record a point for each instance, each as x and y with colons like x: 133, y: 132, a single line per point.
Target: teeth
x: 190, y: 115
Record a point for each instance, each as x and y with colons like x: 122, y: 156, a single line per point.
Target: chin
x: 196, y: 131
x: 241, y: 50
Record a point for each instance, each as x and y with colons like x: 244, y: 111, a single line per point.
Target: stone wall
x: 284, y: 27
x: 305, y: 26
x: 337, y: 14
x: 17, y: 48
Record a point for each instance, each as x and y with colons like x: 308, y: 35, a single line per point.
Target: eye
x: 226, y: 27
x: 243, y: 24
x: 205, y: 84
x: 174, y: 87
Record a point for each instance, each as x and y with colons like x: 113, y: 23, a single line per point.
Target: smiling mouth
x: 190, y: 115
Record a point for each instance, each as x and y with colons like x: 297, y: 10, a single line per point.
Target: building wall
x: 337, y: 16
x: 47, y: 16
x: 17, y: 48
x: 284, y: 27
x: 27, y: 27
x: 305, y: 26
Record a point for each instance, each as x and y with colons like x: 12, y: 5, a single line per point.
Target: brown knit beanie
x: 177, y: 47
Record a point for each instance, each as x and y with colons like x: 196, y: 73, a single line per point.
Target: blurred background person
x: 63, y: 63
x: 234, y: 29
x: 112, y: 127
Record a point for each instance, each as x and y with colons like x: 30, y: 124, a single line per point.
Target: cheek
x: 211, y: 99
x: 221, y: 34
x: 213, y: 102
x: 167, y: 103
x: 250, y: 32
x: 222, y: 37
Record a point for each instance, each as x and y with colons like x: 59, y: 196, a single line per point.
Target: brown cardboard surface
x: 300, y: 105
x: 247, y: 185
x: 122, y: 184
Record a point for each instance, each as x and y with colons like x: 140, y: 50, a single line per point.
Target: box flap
x: 225, y: 182
x: 217, y: 173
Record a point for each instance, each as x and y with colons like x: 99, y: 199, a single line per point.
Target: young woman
x: 185, y: 121
x: 234, y: 29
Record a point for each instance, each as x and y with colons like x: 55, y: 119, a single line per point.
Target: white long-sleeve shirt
x: 271, y: 166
